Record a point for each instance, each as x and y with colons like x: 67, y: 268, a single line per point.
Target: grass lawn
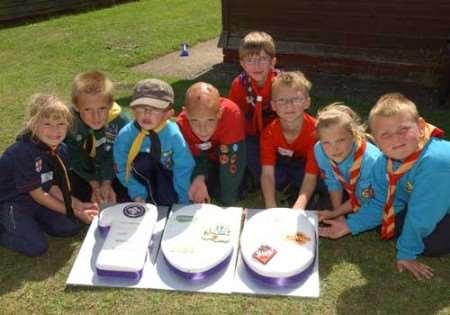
x: 357, y: 273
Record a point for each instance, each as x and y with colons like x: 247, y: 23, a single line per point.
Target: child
x: 404, y: 202
x: 97, y: 121
x: 153, y: 160
x: 287, y: 143
x: 251, y: 91
x: 34, y: 184
x: 345, y: 158
x: 214, y: 128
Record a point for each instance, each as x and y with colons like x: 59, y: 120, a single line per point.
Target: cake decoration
x: 299, y: 237
x: 264, y: 254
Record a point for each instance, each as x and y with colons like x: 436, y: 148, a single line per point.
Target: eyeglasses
x: 148, y: 110
x: 294, y: 101
x: 256, y: 61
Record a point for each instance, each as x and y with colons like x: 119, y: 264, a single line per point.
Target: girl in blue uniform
x: 345, y: 159
x: 34, y: 186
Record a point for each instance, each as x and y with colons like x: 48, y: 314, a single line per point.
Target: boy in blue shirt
x: 152, y: 158
x: 403, y: 202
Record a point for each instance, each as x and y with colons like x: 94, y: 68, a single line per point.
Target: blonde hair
x: 255, y: 42
x: 392, y: 104
x: 292, y: 79
x: 340, y: 114
x: 43, y: 106
x: 92, y: 82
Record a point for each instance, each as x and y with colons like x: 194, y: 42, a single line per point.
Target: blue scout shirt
x: 25, y: 166
x: 423, y: 190
x: 175, y: 156
x: 363, y: 187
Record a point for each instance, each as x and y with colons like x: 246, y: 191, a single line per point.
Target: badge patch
x: 367, y: 193
x: 134, y: 211
x: 409, y: 186
x: 45, y: 177
x: 233, y: 158
x: 224, y: 148
x: 38, y: 165
x: 235, y: 147
x: 233, y: 168
x: 223, y: 159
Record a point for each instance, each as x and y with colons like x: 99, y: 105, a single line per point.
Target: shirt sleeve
x: 324, y: 164
x: 27, y: 175
x: 268, y: 154
x: 426, y: 207
x: 183, y: 165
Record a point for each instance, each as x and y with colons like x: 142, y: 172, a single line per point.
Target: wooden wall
x: 381, y: 37
x: 14, y: 10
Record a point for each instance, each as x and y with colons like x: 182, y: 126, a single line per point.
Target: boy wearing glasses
x: 251, y: 91
x: 287, y: 143
x: 152, y: 158
x: 214, y: 128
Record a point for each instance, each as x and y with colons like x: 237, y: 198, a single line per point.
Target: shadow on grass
x: 18, y: 269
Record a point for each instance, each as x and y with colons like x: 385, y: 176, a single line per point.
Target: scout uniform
x: 25, y: 166
x: 155, y: 165
x: 254, y: 103
x: 222, y: 158
x: 91, y: 152
x: 416, y: 213
x: 338, y: 177
x: 291, y: 160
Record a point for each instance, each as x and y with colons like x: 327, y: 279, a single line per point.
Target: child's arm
x: 198, y: 191
x: 107, y: 192
x: 268, y: 185
x: 183, y: 165
x: 341, y: 210
x: 51, y: 200
x: 336, y: 198
x: 306, y: 191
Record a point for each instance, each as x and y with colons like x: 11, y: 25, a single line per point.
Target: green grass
x: 357, y: 273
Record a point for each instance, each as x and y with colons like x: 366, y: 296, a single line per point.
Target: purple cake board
x: 219, y: 282
x: 84, y: 273
x: 245, y: 282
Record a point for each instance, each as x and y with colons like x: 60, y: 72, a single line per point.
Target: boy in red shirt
x: 213, y: 127
x: 251, y: 91
x: 287, y: 144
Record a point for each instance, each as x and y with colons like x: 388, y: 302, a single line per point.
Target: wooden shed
x: 17, y: 10
x: 401, y: 39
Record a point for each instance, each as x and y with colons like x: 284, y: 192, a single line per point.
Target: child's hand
x: 107, y: 192
x: 419, y: 270
x: 326, y: 215
x: 198, y: 192
x: 336, y: 229
x: 86, y: 211
x: 97, y: 197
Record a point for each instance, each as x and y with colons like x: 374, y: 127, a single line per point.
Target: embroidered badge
x: 45, y: 177
x: 111, y: 132
x: 322, y: 174
x: 223, y: 159
x: 235, y: 147
x: 204, y: 146
x: 233, y: 158
x: 233, y: 168
x: 224, y: 148
x: 78, y: 137
x: 367, y: 193
x: 38, y: 165
x: 409, y: 186
x: 166, y: 159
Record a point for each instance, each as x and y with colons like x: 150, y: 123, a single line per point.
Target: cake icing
x: 127, y: 240
x: 197, y: 238
x: 278, y: 243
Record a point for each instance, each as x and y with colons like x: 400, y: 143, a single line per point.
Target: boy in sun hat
x: 152, y: 158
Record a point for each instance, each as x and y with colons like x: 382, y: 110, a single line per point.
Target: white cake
x: 197, y: 238
x: 277, y: 228
x: 126, y: 245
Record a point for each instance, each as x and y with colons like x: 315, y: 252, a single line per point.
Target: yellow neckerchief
x: 113, y: 113
x: 136, y: 146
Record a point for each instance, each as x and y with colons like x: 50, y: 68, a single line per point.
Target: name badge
x: 45, y: 177
x: 204, y: 146
x: 285, y: 152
